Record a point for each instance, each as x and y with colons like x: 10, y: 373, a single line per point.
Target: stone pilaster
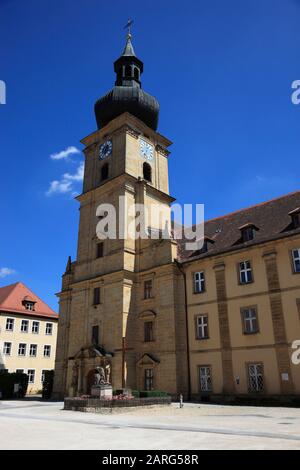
x: 228, y: 382
x: 281, y: 345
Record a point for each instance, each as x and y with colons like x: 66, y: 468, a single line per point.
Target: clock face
x: 105, y: 149
x: 146, y: 150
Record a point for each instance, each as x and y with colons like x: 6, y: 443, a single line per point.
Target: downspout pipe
x: 181, y: 269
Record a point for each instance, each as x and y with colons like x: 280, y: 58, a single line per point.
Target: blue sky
x: 222, y: 72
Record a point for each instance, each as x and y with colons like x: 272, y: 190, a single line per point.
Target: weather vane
x: 128, y: 26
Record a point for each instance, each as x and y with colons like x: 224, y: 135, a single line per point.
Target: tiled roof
x: 12, y: 299
x: 271, y: 220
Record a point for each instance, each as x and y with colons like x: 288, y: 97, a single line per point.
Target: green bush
x: 48, y: 384
x: 135, y: 393
x: 153, y: 393
x: 7, y: 385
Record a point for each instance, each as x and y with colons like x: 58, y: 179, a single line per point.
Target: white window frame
x: 199, y: 282
x: 5, y: 347
x: 29, y: 306
x: 48, y: 324
x: 256, y: 378
x: 34, y: 324
x: 246, y: 270
x: 24, y: 322
x: 25, y: 349
x: 10, y: 321
x: 202, y: 326
x: 250, y: 319
x: 31, y: 373
x: 30, y: 350
x: 296, y: 259
x: 47, y: 347
x: 205, y: 378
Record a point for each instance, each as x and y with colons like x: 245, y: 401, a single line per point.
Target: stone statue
x: 74, y: 382
x: 108, y: 370
x: 99, y: 377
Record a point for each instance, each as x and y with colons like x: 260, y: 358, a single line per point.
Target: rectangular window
x: 24, y: 326
x: 35, y: 327
x: 148, y: 331
x: 296, y: 260
x: 47, y: 350
x: 202, y: 326
x: 255, y: 378
x: 7, y: 349
x: 247, y: 234
x: 96, y: 300
x: 250, y: 320
x: 33, y: 350
x: 199, y: 282
x: 149, y: 379
x: 100, y: 250
x: 20, y: 371
x: 205, y: 378
x: 10, y: 324
x: 22, y: 349
x: 43, y: 376
x: 31, y: 376
x: 245, y: 272
x: 95, y: 335
x: 148, y: 289
x: 29, y: 306
x: 49, y: 328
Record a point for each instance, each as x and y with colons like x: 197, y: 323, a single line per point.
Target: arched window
x: 136, y: 73
x: 104, y: 172
x: 128, y: 71
x: 147, y: 172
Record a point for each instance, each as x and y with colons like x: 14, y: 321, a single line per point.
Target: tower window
x: 100, y: 250
x: 148, y: 379
x: 128, y: 71
x: 148, y: 331
x: 136, y: 73
x: 104, y: 172
x: 148, y: 289
x: 96, y: 296
x: 147, y: 172
x: 95, y: 335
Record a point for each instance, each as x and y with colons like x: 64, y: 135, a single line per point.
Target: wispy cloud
x: 65, y: 154
x: 6, y: 272
x: 66, y: 183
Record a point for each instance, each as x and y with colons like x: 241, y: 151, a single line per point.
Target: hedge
x: 8, y: 381
x: 153, y: 393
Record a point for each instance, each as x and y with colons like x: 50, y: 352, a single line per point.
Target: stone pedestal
x: 101, y: 391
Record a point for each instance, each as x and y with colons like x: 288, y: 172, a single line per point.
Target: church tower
x: 122, y: 300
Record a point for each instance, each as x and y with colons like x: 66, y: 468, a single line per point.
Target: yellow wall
x: 38, y: 363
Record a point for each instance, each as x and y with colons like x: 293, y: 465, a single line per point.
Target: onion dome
x: 127, y: 94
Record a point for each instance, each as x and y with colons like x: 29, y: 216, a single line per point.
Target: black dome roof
x: 127, y: 95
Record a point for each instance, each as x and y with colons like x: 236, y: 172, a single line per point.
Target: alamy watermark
x: 295, y: 97
x: 155, y: 221
x: 296, y: 353
x: 2, y: 92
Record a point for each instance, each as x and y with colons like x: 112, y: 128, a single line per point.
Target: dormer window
x: 29, y: 306
x: 295, y: 216
x: 248, y: 232
x: 29, y: 303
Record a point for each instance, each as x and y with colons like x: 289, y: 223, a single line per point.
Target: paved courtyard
x: 37, y: 425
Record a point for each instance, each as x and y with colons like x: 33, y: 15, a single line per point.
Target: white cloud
x: 6, y: 272
x: 65, y: 154
x: 66, y: 183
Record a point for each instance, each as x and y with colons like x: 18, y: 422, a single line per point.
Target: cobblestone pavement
x: 30, y: 424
